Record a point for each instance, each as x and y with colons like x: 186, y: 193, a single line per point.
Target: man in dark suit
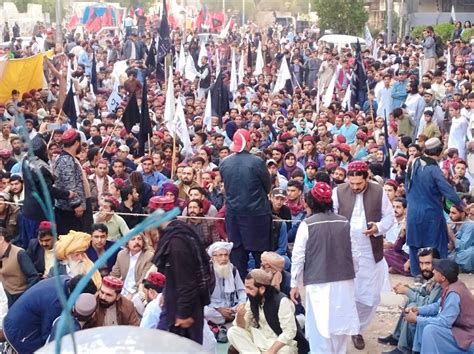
x: 41, y: 249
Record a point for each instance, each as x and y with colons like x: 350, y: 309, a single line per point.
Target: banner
x: 21, y: 74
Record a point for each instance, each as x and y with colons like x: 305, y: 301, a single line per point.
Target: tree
x: 342, y: 16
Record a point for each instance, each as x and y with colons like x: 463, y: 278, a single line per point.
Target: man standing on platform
x: 324, y: 255
x: 249, y: 215
x: 371, y: 215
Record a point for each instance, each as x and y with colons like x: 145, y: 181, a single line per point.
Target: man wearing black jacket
x: 181, y: 257
x: 248, y: 215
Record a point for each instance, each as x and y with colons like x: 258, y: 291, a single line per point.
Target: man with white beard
x: 229, y: 290
x: 70, y: 250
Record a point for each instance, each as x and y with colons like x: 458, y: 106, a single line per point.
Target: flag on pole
x: 259, y: 64
x: 225, y: 31
x: 190, y: 71
x: 241, y: 68
x: 208, y: 112
x: 233, y: 73
x: 181, y: 60
x: 368, y: 37
x: 327, y: 99
x: 150, y: 61
x: 219, y: 97
x: 448, y: 65
x: 386, y: 162
x: 453, y: 14
x: 94, y: 75
x: 249, y: 56
x: 283, y: 75
x: 69, y: 107
x: 358, y: 85
x: 181, y: 129
x: 145, y: 122
x: 202, y: 52
x: 170, y: 104
x: 218, y: 62
x: 131, y: 115
x: 114, y: 100
x: 164, y: 44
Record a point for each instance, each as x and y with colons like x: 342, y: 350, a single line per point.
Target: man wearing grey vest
x: 324, y: 255
x: 371, y: 215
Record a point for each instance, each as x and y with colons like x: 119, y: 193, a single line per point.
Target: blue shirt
x: 349, y: 133
x: 155, y: 178
x: 151, y: 315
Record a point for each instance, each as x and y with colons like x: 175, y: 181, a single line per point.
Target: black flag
x: 249, y: 56
x: 131, y: 115
x: 164, y: 44
x: 145, y: 123
x: 358, y: 80
x: 150, y: 61
x: 219, y: 97
x: 69, y: 107
x: 386, y: 162
x: 94, y: 74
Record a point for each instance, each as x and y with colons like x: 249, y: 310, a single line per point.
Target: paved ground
x: 387, y: 316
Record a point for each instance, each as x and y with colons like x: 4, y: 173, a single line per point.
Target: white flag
x: 448, y: 64
x: 208, y: 113
x: 182, y: 129
x: 218, y: 63
x: 241, y: 67
x: 202, y: 52
x: 283, y: 75
x: 259, y: 63
x: 368, y: 36
x: 347, y: 98
x: 225, y: 31
x: 114, y: 101
x: 170, y: 104
x: 453, y: 13
x: 327, y: 99
x: 181, y: 60
x: 190, y: 71
x: 233, y: 74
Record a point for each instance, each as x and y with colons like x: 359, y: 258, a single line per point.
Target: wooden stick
x: 149, y: 144
x: 111, y: 134
x: 173, y: 157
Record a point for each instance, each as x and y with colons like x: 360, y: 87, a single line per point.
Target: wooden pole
x: 149, y: 144
x: 173, y: 157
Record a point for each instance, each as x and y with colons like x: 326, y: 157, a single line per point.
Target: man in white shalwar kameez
x: 371, y: 215
x: 324, y: 255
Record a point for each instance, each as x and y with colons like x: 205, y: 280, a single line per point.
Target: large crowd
x: 295, y: 202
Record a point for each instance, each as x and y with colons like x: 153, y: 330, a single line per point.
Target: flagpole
x: 149, y: 145
x: 173, y: 158
x: 111, y: 134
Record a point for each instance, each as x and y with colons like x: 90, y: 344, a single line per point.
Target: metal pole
x: 243, y: 13
x: 389, y: 20
x: 401, y: 19
x: 223, y: 7
x: 59, y: 17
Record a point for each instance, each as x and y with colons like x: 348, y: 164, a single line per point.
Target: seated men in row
x: 461, y: 237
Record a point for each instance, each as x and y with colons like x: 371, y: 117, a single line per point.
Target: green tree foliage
x: 445, y: 31
x: 467, y: 34
x: 342, y: 16
x: 417, y: 32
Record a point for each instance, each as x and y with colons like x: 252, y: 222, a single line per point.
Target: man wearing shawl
x: 71, y: 250
x: 229, y: 290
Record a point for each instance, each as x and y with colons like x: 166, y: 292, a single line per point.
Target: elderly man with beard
x: 132, y: 264
x: 266, y: 322
x: 428, y: 293
x: 113, y: 309
x: 228, y: 292
x: 371, y: 215
x: 71, y: 250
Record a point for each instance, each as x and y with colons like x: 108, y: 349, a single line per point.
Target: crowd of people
x: 295, y: 204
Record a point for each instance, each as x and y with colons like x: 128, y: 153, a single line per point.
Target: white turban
x: 219, y: 245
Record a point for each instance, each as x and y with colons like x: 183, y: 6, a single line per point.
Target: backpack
x: 439, y: 46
